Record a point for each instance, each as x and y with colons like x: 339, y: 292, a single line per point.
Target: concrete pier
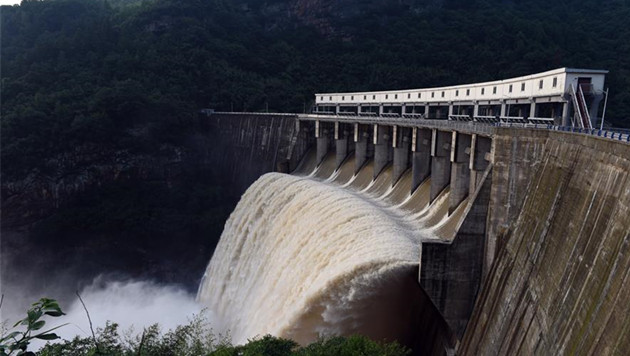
x: 479, y: 159
x: 342, y: 144
x: 401, y: 151
x: 460, y: 169
x: 382, y: 147
x: 440, y: 162
x: 420, y: 156
x: 322, y: 135
x: 361, y: 137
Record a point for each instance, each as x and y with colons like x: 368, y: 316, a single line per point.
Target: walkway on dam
x: 469, y: 127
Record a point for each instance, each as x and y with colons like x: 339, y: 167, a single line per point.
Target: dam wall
x: 249, y: 145
x: 542, y: 256
x: 559, y: 226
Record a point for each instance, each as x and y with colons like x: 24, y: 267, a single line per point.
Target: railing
x: 470, y: 127
x: 413, y: 116
x: 609, y: 134
x: 581, y: 111
x: 585, y: 115
x: 578, y: 113
x: 542, y: 120
x: 368, y: 113
x: 464, y: 118
x: 475, y: 126
x: 514, y: 119
x: 486, y: 119
x: 460, y: 118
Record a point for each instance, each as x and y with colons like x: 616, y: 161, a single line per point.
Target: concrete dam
x: 453, y: 237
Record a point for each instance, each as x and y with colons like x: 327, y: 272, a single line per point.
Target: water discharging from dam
x: 322, y: 255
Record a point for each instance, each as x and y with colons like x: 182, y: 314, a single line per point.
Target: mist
x: 132, y: 304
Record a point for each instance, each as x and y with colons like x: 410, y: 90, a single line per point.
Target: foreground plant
x: 16, y: 342
x: 194, y: 338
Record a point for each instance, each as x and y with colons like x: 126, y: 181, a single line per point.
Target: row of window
x: 554, y: 84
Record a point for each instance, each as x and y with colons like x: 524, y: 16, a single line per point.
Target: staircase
x: 583, y: 119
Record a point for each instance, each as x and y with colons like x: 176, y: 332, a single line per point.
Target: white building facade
x: 565, y: 96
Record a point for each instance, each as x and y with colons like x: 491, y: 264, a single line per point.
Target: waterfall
x: 300, y: 258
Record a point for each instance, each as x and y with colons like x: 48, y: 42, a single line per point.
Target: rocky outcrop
x: 25, y: 200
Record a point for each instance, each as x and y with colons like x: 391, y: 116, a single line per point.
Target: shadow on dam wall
x: 559, y: 219
x: 248, y: 146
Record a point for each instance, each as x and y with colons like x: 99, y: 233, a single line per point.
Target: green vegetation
x: 183, y: 341
x: 194, y: 338
x: 16, y: 342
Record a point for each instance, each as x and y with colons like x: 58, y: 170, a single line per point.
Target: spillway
x: 322, y: 253
x: 302, y: 259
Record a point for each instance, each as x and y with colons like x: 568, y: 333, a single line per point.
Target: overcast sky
x: 9, y: 2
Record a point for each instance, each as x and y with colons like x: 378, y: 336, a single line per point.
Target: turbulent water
x: 302, y: 259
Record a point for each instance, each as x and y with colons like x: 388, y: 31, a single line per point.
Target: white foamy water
x: 302, y: 259
x: 132, y: 305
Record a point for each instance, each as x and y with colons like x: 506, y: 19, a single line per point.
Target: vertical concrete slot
x: 421, y: 157
x: 440, y: 162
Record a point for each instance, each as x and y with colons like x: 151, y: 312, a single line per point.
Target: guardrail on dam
x: 538, y: 257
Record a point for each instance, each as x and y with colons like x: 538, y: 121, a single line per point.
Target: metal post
x: 601, y: 126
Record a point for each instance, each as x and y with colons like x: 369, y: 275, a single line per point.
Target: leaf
x: 55, y: 313
x: 34, y: 315
x: 49, y: 330
x: 11, y: 335
x: 38, y: 325
x: 51, y: 304
x: 21, y: 322
x: 51, y: 336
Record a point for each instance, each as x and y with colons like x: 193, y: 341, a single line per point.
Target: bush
x: 194, y: 338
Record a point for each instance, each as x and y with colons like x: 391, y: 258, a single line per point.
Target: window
x: 330, y: 98
x: 510, y: 88
x: 364, y: 97
x: 540, y: 84
x: 456, y: 92
x: 555, y: 82
x: 522, y: 86
x: 442, y: 94
x: 467, y: 92
x: 373, y: 97
x: 494, y: 90
x: 343, y: 98
x: 395, y: 96
x: 352, y: 97
x: 419, y: 94
x: 483, y: 90
x: 408, y: 96
x: 432, y: 94
x: 386, y: 96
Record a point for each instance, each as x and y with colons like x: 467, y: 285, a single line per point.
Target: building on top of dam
x: 564, y: 96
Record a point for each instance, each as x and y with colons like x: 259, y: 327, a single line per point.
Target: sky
x: 9, y: 2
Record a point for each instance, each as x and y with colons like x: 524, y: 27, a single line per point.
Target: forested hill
x: 76, y: 60
x: 88, y: 69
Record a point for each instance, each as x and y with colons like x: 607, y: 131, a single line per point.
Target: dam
x: 514, y: 227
